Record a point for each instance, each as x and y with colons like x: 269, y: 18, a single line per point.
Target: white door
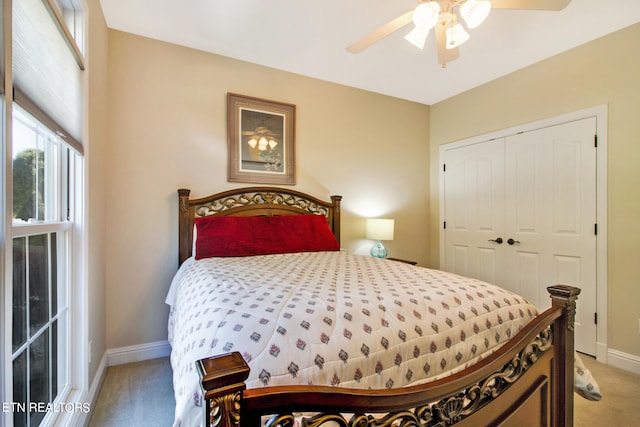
x: 474, y: 206
x: 550, y: 185
x: 520, y: 212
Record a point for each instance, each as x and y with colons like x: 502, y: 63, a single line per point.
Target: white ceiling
x: 310, y: 37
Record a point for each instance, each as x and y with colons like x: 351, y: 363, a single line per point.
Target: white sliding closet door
x: 520, y: 212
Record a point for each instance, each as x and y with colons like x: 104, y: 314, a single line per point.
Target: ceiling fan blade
x: 382, y: 32
x: 530, y: 4
x: 444, y: 55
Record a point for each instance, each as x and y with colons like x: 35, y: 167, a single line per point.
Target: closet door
x: 520, y: 212
x: 474, y: 207
x: 550, y: 183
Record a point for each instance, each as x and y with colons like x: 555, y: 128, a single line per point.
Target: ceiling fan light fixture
x: 474, y: 12
x: 456, y: 35
x: 418, y: 36
x: 444, y: 16
x: 263, y: 143
x: 426, y: 14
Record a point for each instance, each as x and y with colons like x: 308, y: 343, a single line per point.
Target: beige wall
x: 167, y: 130
x: 605, y: 71
x: 95, y: 167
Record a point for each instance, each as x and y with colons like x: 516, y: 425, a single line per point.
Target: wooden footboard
x: 528, y: 382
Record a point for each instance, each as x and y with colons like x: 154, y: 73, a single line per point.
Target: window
x: 71, y: 12
x: 44, y: 349
x: 38, y: 181
x: 42, y: 245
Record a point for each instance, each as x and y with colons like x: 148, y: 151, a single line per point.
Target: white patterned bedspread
x: 332, y: 318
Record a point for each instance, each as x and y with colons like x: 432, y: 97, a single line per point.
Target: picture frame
x: 261, y: 140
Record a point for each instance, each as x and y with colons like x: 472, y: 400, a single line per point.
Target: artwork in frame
x: 261, y: 136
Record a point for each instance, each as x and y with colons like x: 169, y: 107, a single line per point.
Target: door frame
x: 601, y: 114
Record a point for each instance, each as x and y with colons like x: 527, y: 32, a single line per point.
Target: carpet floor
x: 135, y: 394
x: 620, y: 392
x: 141, y: 394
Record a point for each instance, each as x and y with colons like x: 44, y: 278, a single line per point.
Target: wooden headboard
x: 250, y: 201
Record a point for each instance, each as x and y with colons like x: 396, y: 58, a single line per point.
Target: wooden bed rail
x: 529, y: 381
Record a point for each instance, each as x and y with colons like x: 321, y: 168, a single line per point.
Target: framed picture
x: 261, y: 137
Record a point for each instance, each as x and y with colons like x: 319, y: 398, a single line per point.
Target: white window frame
x: 70, y: 275
x: 77, y: 392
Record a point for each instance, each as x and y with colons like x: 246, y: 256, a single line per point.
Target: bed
x: 361, y: 342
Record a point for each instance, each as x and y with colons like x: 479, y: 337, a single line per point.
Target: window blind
x: 47, y: 78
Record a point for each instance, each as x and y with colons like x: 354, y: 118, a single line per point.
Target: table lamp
x: 379, y: 229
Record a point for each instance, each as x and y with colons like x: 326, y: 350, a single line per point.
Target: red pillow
x: 230, y: 236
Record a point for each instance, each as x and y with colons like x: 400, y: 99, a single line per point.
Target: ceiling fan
x: 445, y: 17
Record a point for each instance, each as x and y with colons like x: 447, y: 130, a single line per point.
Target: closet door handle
x: 498, y: 240
x: 513, y: 242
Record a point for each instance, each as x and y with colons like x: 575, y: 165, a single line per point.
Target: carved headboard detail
x: 250, y: 201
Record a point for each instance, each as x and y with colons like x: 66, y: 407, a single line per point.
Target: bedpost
x: 185, y: 229
x: 335, y: 226
x: 564, y: 334
x: 222, y: 382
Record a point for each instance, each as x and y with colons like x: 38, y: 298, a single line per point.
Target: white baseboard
x: 97, y: 380
x: 81, y: 418
x: 138, y: 353
x: 602, y: 352
x: 626, y: 361
x: 118, y: 356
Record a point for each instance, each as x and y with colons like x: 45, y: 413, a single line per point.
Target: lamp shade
x: 418, y: 36
x: 380, y: 229
x: 475, y: 12
x: 426, y: 14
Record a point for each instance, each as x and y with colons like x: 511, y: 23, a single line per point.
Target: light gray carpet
x: 141, y: 394
x: 620, y: 393
x: 136, y: 394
